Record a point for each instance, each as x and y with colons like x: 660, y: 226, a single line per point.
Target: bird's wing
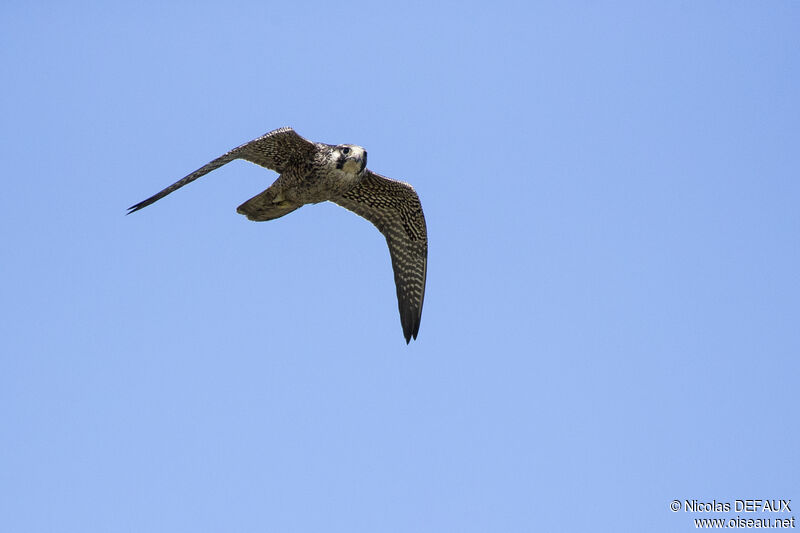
x: 394, y: 208
x: 277, y: 150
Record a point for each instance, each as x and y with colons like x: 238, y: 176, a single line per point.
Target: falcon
x: 310, y: 173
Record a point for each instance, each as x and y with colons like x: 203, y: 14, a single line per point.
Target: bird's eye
x: 345, y: 150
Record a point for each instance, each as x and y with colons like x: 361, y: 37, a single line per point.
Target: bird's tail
x: 267, y: 205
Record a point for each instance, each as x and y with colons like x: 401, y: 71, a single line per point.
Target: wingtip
x: 410, y: 322
x: 410, y: 331
x: 141, y: 205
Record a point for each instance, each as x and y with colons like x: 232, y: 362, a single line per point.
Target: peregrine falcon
x: 310, y: 173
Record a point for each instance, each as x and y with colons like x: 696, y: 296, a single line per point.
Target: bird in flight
x: 310, y: 173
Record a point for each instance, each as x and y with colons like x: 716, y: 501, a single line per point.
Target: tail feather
x: 267, y: 205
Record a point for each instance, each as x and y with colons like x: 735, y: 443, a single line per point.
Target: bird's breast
x: 323, y: 185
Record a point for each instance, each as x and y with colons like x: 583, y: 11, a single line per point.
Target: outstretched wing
x: 394, y: 208
x: 277, y: 150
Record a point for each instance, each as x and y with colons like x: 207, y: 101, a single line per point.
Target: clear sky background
x: 613, y: 300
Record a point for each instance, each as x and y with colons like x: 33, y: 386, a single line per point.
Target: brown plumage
x: 316, y: 172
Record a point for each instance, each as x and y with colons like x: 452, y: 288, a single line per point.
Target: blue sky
x: 611, y: 317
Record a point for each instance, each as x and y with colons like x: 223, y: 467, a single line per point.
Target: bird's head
x: 350, y: 158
